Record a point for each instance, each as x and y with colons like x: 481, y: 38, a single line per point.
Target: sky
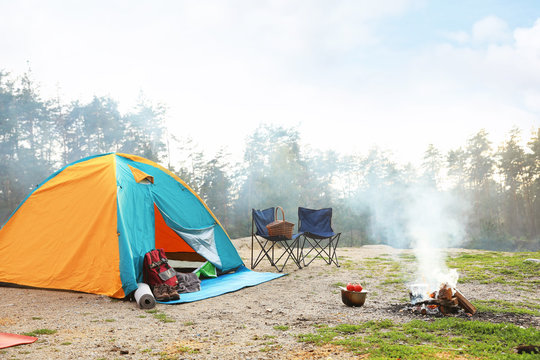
x: 350, y: 75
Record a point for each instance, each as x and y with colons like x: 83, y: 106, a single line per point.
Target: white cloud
x: 490, y: 29
x: 529, y: 38
x: 457, y: 36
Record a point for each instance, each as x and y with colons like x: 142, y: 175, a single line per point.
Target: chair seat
x: 320, y: 235
x: 319, y: 239
x: 280, y: 238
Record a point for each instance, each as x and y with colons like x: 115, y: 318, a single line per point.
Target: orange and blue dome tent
x: 87, y: 227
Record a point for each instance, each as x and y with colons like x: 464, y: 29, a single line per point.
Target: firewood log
x: 449, y: 303
x: 445, y: 293
x: 464, y: 303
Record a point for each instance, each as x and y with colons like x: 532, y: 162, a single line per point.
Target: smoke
x: 421, y: 217
x: 433, y: 226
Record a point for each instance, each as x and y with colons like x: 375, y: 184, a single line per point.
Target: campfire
x: 447, y: 300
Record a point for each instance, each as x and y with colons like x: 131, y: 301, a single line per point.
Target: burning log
x: 447, y: 300
x: 445, y: 293
x: 449, y: 303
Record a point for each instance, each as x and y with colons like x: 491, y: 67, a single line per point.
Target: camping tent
x: 88, y: 226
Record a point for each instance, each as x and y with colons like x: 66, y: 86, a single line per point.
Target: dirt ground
x: 259, y: 322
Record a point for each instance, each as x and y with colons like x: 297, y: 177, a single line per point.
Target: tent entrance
x: 181, y: 256
x: 185, y: 262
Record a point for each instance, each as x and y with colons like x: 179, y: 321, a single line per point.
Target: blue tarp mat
x: 243, y: 277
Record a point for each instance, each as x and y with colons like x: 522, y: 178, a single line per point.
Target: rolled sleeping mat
x: 144, y: 297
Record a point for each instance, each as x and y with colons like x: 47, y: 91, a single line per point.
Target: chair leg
x: 325, y: 251
x: 264, y: 253
x: 288, y: 251
x: 253, y: 267
x: 296, y: 258
x: 269, y: 253
x: 315, y: 247
x: 333, y: 247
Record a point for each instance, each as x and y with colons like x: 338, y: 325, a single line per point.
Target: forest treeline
x: 494, y: 188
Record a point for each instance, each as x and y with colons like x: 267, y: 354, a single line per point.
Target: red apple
x: 357, y: 287
x: 350, y: 287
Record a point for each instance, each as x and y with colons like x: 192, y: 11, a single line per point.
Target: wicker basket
x: 280, y: 227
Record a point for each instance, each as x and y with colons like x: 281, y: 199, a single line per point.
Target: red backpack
x: 156, y: 269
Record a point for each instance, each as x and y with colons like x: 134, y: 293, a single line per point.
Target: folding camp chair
x: 269, y: 244
x: 317, y: 235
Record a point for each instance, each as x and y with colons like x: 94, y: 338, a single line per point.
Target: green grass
x: 391, y: 271
x: 393, y: 279
x: 499, y: 267
x: 386, y: 269
x: 160, y: 316
x: 281, y: 327
x: 425, y: 340
x: 184, y: 349
x: 407, y: 257
x: 377, y: 262
x: 502, y: 306
x: 163, y: 318
x: 270, y: 347
x: 37, y: 332
x: 348, y: 264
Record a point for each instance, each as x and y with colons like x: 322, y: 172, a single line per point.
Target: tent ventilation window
x: 140, y: 176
